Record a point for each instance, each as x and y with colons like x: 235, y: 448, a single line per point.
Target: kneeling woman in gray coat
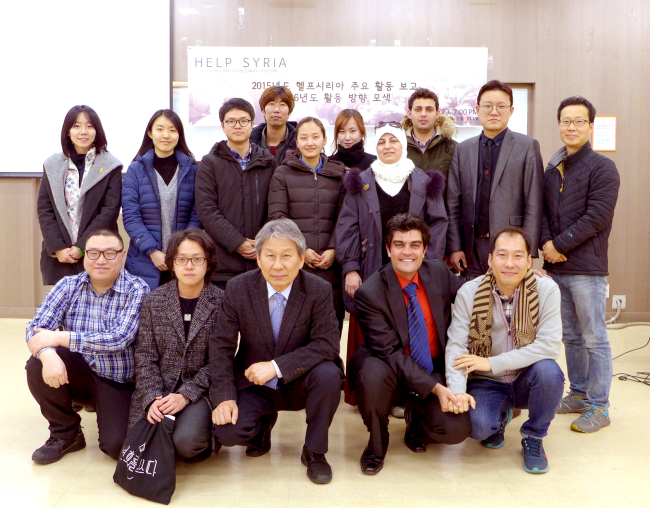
x: 171, y: 352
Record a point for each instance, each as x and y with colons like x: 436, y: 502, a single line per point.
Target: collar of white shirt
x: 272, y: 291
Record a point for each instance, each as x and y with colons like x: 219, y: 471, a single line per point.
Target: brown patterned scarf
x: 524, y: 320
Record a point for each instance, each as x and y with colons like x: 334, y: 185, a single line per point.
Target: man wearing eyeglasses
x: 496, y: 180
x: 82, y: 346
x: 231, y: 192
x: 580, y: 193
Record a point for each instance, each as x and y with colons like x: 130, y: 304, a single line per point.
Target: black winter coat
x: 312, y: 201
x: 232, y: 203
x: 579, y: 210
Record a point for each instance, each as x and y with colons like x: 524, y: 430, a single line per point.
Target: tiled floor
x: 606, y: 469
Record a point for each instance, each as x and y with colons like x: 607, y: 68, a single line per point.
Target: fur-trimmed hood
x: 354, y: 184
x: 445, y: 124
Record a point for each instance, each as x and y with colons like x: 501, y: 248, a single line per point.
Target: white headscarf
x: 391, y: 177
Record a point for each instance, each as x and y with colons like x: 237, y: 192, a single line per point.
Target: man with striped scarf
x: 505, y: 335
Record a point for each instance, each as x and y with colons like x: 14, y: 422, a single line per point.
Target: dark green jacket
x: 438, y: 154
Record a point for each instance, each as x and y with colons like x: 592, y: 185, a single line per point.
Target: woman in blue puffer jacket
x: 158, y: 196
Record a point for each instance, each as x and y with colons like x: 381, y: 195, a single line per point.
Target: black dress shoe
x: 414, y: 444
x: 371, y: 464
x: 318, y: 470
x: 54, y: 449
x: 76, y: 407
x: 411, y: 440
x: 261, y: 443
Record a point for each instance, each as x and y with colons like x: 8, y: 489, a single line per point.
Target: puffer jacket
x: 312, y: 201
x: 438, y: 154
x: 359, y: 235
x: 233, y: 204
x: 141, y: 211
x: 579, y: 210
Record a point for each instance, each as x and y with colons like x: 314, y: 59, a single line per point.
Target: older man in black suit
x: 288, y: 356
x: 404, y: 310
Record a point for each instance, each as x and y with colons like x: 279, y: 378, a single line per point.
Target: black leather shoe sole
x: 79, y: 443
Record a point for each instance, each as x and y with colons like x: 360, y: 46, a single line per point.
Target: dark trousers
x: 318, y: 392
x: 111, y: 400
x: 477, y: 260
x: 192, y: 429
x: 377, y: 389
x: 538, y: 388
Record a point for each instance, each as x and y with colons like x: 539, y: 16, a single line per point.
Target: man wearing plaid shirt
x: 82, y: 345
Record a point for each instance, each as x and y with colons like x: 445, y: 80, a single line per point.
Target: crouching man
x: 505, y: 335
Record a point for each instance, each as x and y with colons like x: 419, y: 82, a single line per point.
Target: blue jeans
x: 584, y: 333
x: 538, y: 387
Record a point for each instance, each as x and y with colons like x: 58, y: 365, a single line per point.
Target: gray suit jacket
x: 516, y: 197
x: 309, y: 333
x: 163, y: 357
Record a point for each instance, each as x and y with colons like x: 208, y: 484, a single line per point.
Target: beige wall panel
x: 19, y: 255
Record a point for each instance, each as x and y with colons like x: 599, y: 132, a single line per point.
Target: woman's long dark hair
x: 70, y: 119
x: 147, y: 142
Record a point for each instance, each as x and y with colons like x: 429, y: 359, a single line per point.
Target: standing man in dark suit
x: 404, y: 310
x: 496, y: 180
x: 288, y: 356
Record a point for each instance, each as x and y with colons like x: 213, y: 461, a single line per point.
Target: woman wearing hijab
x: 390, y: 186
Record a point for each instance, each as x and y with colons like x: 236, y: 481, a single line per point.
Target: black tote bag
x: 146, y: 467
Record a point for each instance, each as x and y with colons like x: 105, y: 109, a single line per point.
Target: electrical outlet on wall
x: 616, y: 299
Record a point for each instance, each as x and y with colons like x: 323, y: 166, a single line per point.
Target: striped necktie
x: 418, y: 336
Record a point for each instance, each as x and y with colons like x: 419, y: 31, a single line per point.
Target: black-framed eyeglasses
x: 109, y: 255
x: 501, y: 108
x: 580, y: 122
x: 243, y: 122
x: 379, y: 125
x: 180, y: 261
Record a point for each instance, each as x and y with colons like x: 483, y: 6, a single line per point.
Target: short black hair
x: 495, y: 84
x: 108, y: 232
x: 196, y: 235
x: 423, y: 93
x: 511, y: 231
x: 404, y: 222
x: 100, y: 142
x: 236, y: 103
x: 576, y: 100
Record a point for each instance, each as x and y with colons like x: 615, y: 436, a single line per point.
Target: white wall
x: 113, y: 56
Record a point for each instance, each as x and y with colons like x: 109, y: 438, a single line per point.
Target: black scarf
x: 350, y: 156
